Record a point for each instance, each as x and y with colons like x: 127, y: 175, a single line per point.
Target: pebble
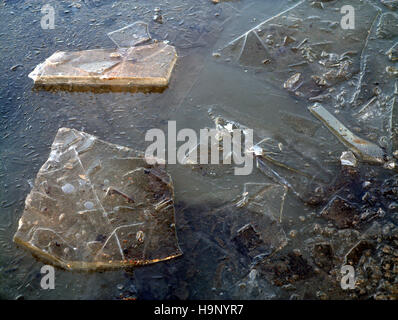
x: 293, y: 233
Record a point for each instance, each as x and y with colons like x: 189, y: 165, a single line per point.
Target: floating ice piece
x: 348, y: 159
x: 148, y: 65
x: 343, y: 213
x: 131, y: 35
x: 366, y: 150
x: 96, y: 205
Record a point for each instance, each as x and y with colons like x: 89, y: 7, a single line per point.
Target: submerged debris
x: 342, y: 212
x: 350, y: 215
x: 249, y: 241
x: 323, y: 256
x: 96, y: 205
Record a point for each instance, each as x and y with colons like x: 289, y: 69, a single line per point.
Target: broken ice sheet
x: 308, y: 41
x: 96, y: 205
x: 147, y: 65
x: 287, y: 164
x: 288, y: 160
x: 264, y: 198
x: 131, y: 35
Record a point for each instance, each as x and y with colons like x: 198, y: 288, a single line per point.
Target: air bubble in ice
x: 68, y: 188
x: 88, y: 205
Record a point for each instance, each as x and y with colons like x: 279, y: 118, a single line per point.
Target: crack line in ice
x: 50, y: 230
x: 105, y: 214
x: 117, y: 239
x: 267, y: 20
x: 362, y: 58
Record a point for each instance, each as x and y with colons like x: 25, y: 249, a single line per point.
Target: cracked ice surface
x: 96, y: 205
x: 300, y: 43
x: 305, y: 51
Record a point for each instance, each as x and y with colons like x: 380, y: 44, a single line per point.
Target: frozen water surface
x: 281, y: 232
x: 95, y: 226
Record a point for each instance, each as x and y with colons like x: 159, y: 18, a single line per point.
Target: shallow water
x: 211, y: 267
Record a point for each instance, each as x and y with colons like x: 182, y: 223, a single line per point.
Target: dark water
x: 211, y: 267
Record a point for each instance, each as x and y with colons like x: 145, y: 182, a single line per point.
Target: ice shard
x: 96, y: 205
x: 131, y: 35
x: 366, y: 150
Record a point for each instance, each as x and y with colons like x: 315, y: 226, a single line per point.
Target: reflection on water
x: 207, y: 219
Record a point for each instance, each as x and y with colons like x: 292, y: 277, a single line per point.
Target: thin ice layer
x: 131, y: 35
x: 96, y: 205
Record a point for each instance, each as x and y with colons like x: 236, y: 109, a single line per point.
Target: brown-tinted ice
x: 96, y: 205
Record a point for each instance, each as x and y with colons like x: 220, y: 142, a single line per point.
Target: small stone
x: 297, y: 252
x: 158, y: 18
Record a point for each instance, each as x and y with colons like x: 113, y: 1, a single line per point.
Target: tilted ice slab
x: 132, y: 64
x: 95, y: 205
x: 146, y: 65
